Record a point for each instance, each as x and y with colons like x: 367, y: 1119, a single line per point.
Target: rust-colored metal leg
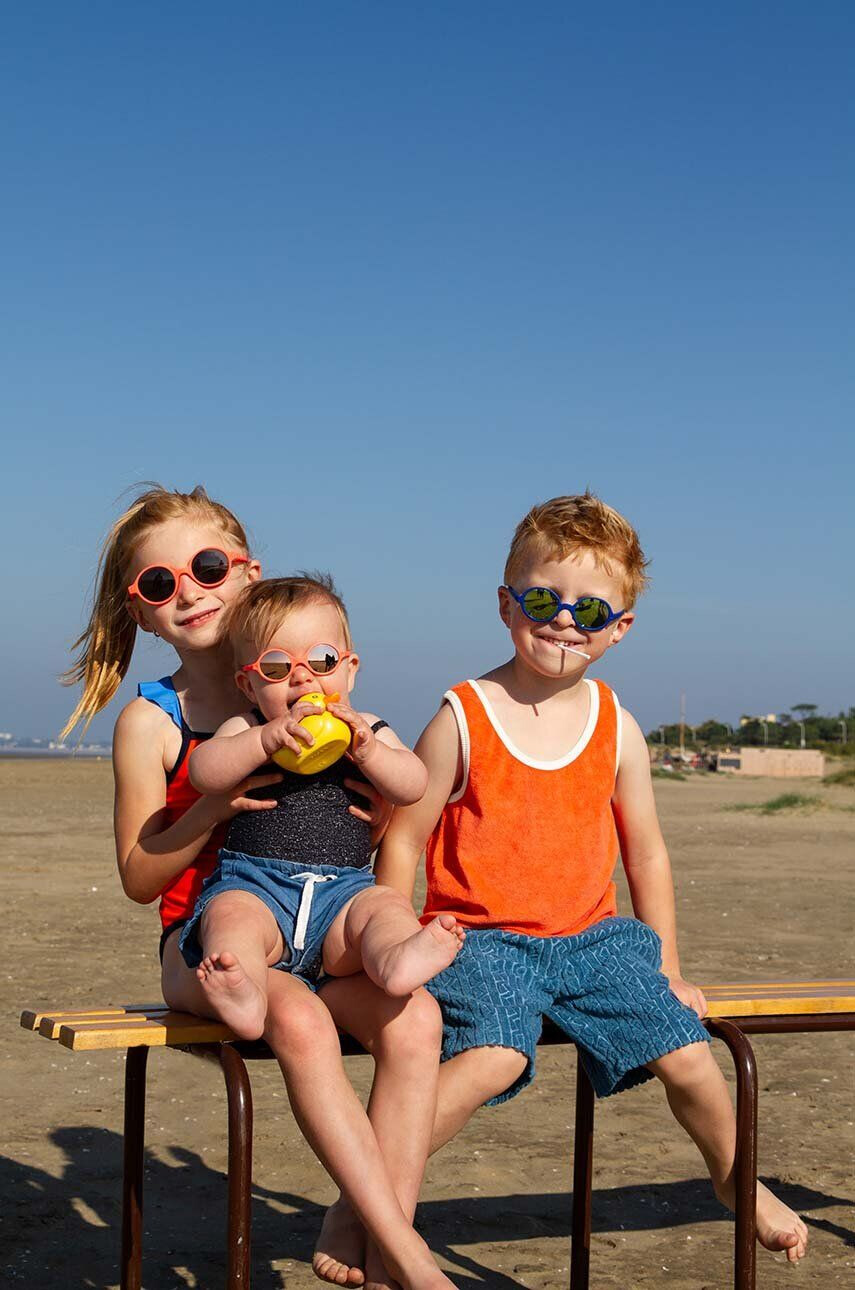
x: 583, y: 1169
x: 745, y: 1167
x: 239, y: 1096
x: 132, y: 1168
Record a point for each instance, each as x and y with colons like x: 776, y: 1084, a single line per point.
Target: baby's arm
x: 148, y: 855
x: 241, y: 745
x: 392, y: 768
x: 439, y: 750
x: 645, y: 857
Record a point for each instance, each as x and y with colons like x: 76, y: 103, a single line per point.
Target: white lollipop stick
x: 580, y: 652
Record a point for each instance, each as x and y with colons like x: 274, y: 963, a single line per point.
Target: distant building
x: 771, y: 719
x: 777, y: 763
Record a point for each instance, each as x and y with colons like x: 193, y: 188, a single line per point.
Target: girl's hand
x: 286, y: 732
x: 223, y: 806
x: 691, y: 995
x: 363, y: 739
x: 377, y: 813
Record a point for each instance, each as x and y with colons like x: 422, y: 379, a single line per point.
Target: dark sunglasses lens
x: 540, y: 603
x: 275, y: 666
x: 210, y: 567
x: 157, y: 585
x: 322, y: 659
x: 591, y: 612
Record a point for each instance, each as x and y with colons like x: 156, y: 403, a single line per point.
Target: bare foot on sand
x: 376, y: 1276
x: 232, y: 995
x: 407, y: 966
x: 779, y: 1227
x: 340, y: 1252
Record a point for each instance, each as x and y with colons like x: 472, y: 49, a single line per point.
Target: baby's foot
x: 407, y: 966
x: 779, y: 1227
x: 232, y: 995
x: 340, y: 1251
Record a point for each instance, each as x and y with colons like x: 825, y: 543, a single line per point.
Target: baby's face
x: 548, y: 649
x: 313, y: 624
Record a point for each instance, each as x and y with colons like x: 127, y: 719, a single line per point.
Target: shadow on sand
x: 68, y: 1228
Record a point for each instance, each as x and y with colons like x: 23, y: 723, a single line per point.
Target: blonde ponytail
x: 105, y: 648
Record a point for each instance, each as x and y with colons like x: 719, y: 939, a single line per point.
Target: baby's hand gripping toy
x: 331, y: 735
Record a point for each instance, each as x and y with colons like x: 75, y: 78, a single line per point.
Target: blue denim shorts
x: 603, y: 988
x: 304, y: 900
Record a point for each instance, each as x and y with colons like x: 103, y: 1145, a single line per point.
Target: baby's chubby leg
x: 378, y: 932
x: 240, y: 939
x: 698, y: 1096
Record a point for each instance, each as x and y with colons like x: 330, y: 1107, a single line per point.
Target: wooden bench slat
x: 164, y: 1031
x: 782, y: 987
x: 31, y: 1020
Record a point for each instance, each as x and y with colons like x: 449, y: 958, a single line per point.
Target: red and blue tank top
x: 178, y: 897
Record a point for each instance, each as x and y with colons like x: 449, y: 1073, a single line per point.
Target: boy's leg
x: 403, y: 1036
x: 304, y: 1038
x: 469, y: 1080
x: 699, y: 1098
x: 378, y: 932
x: 240, y: 939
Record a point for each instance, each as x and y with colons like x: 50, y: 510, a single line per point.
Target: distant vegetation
x: 785, y: 802
x: 846, y: 776
x: 823, y: 732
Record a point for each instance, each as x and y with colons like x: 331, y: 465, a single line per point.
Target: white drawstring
x: 305, y: 909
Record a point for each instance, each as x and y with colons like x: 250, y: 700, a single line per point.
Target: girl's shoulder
x: 141, y: 719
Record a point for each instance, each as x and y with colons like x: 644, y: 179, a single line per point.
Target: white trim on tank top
x: 619, y: 733
x: 453, y: 701
x: 577, y: 749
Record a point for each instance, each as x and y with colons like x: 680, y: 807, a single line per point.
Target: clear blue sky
x: 381, y: 276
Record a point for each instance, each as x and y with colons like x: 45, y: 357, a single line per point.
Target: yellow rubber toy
x: 331, y: 735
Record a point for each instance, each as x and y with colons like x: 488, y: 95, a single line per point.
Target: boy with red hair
x: 538, y: 778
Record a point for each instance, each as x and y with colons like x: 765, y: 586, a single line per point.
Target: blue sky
x: 382, y: 276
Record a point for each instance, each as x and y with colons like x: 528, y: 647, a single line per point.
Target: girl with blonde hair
x: 171, y: 565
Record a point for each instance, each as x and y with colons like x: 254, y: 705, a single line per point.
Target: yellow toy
x: 331, y: 735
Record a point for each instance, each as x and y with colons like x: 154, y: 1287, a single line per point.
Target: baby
x: 293, y: 888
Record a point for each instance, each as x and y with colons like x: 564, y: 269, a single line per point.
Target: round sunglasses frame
x: 232, y: 558
x: 519, y: 597
x: 296, y: 662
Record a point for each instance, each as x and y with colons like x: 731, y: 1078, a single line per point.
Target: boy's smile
x: 555, y: 650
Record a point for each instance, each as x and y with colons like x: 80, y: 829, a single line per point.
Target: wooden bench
x: 735, y: 1011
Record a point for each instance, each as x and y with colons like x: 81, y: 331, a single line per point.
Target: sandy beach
x: 759, y: 897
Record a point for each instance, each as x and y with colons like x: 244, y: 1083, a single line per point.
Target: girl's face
x: 316, y: 623
x: 192, y: 619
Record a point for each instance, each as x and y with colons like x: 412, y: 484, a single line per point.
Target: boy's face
x: 547, y: 648
x: 315, y: 623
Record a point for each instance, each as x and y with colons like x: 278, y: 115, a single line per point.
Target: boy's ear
x: 621, y: 628
x: 505, y: 606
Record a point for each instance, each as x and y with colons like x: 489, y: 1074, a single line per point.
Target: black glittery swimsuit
x: 311, y: 823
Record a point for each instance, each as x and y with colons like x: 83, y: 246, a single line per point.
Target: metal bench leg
x: 583, y: 1168
x: 745, y: 1166
x: 239, y: 1096
x: 132, y: 1168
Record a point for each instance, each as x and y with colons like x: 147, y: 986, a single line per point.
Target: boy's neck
x: 530, y: 688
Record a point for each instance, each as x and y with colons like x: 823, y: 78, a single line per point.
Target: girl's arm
x: 645, y: 857
x: 439, y: 751
x: 392, y: 768
x: 148, y: 855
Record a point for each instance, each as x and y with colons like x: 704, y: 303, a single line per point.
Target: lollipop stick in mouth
x: 581, y: 653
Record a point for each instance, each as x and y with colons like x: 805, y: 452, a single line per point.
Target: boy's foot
x: 340, y: 1252
x: 779, y: 1227
x: 421, y: 956
x: 232, y: 995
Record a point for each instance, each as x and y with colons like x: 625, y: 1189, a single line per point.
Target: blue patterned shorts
x: 603, y: 988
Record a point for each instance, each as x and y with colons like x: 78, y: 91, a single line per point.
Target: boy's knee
x: 684, y: 1066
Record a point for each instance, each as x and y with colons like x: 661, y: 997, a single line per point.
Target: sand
x: 758, y: 896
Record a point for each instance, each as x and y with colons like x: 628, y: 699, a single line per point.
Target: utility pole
x: 682, y: 725
x: 765, y: 726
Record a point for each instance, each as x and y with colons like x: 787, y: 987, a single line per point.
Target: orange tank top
x: 525, y: 845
